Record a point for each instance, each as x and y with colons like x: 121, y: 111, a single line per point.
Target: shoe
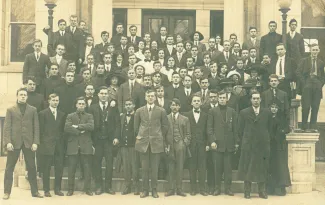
x: 262, y: 195
x: 247, y: 195
x: 193, y: 193
x: 170, y: 193
x: 126, y: 191
x: 211, y: 191
x: 203, y: 193
x: 89, y: 193
x: 136, y: 191
x: 217, y: 192
x: 180, y: 193
x: 37, y: 195
x: 70, y: 193
x: 144, y: 194
x: 110, y: 191
x: 282, y: 192
x: 47, y: 194
x: 154, y: 194
x: 6, y: 196
x: 58, y: 193
x: 229, y: 192
x: 98, y: 191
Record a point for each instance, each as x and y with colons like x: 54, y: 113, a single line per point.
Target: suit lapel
x: 17, y: 110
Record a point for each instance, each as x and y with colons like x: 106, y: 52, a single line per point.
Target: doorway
x: 177, y: 22
x: 216, y: 23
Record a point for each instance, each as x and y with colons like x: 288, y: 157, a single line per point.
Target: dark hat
x: 232, y: 73
x: 248, y: 85
x: 118, y: 74
x: 201, y: 37
x: 226, y: 81
x: 256, y: 68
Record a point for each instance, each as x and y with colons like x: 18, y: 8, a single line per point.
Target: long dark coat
x: 279, y: 171
x: 255, y: 150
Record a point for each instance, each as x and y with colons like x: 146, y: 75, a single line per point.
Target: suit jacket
x: 198, y: 130
x: 124, y: 94
x: 223, y: 133
x: 201, y: 47
x: 55, y: 39
x: 214, y: 82
x: 233, y: 102
x: 231, y: 61
x: 214, y: 54
x: 51, y: 131
x: 82, y: 53
x: 166, y: 105
x: 184, y: 130
x: 304, y: 69
x: 182, y: 62
x: 295, y: 46
x: 101, y: 49
x: 35, y: 68
x: 62, y: 66
x: 281, y: 99
x: 289, y: 68
x: 185, y: 100
x: 152, y: 130
x: 137, y: 39
x: 198, y: 61
x: 171, y: 92
x: 21, y: 129
x: 161, y: 44
x: 76, y: 43
x: 77, y: 140
x: 112, y: 121
x: 174, y: 51
x: 248, y: 44
x: 268, y: 44
x: 207, y: 96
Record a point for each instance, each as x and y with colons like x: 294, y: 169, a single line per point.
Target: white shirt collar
x: 57, y: 56
x: 187, y: 89
x: 101, y: 104
x: 214, y: 105
x: 175, y: 115
x: 175, y: 85
x: 131, y: 81
x: 52, y: 109
x: 256, y: 109
x: 152, y: 106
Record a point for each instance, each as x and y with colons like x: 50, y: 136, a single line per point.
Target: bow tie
x: 197, y: 111
x: 145, y: 60
x: 88, y: 98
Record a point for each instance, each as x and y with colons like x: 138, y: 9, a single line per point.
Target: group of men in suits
x: 159, y: 110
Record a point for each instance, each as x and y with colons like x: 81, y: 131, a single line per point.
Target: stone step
x: 320, y: 167
x: 117, y: 185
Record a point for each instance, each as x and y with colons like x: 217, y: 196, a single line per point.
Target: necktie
x: 187, y: 93
x: 149, y: 108
x: 37, y: 56
x: 53, y: 112
x: 256, y: 112
x: 104, y: 112
x: 313, y: 68
x: 203, y: 96
x: 61, y: 33
x: 227, y: 56
x: 133, y: 39
x: 131, y: 88
x: 280, y: 66
x: 174, y: 117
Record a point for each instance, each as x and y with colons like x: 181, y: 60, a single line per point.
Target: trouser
x: 210, y: 170
x: 311, y: 97
x: 223, y: 166
x: 198, y: 163
x: 103, y: 149
x: 149, y: 159
x: 47, y: 161
x: 12, y: 158
x: 284, y: 85
x: 86, y: 164
x: 176, y: 166
x: 248, y: 186
x: 130, y: 160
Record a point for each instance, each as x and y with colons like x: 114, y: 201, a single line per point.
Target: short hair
x: 272, y: 22
x: 214, y: 91
x: 61, y: 20
x: 80, y: 98
x: 156, y: 62
x: 169, y: 36
x: 162, y: 27
x: 60, y: 44
x: 129, y: 100
x: 37, y: 41
x: 32, y: 78
x: 176, y: 101
x: 236, y: 43
x: 90, y: 84
x: 159, y: 87
x: 195, y: 46
x: 313, y: 45
x: 69, y: 71
x: 292, y: 21
x: 239, y: 59
x: 213, y: 62
x: 273, y: 76
x: 54, y: 64
x: 255, y: 92
x: 226, y: 41
x: 233, y: 34
x: 133, y: 26
x: 107, y: 53
x: 147, y: 76
x: 21, y: 89
x: 52, y: 95
x: 222, y: 92
x: 206, y: 54
x: 252, y: 48
x: 252, y: 27
x: 146, y: 49
x: 102, y: 88
x: 119, y: 24
x: 198, y: 68
x: 155, y: 73
x: 73, y: 16
x: 174, y: 73
x: 82, y: 21
x: 180, y: 43
x: 187, y: 75
x: 203, y: 78
x: 150, y: 91
x: 89, y: 36
x: 71, y: 61
x: 212, y: 38
x: 84, y: 70
x: 196, y: 95
x: 280, y: 44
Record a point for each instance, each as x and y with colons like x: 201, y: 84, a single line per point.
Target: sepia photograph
x: 162, y: 102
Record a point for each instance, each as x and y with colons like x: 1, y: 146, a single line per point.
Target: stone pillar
x: 134, y: 18
x: 295, y: 103
x: 234, y: 19
x: 102, y: 19
x: 301, y: 161
x: 203, y: 23
x: 4, y: 32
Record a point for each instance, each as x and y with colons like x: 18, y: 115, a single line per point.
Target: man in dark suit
x: 273, y: 94
x: 253, y: 59
x: 198, y: 145
x: 133, y: 38
x: 269, y: 41
x: 222, y: 135
x: 123, y: 46
x: 107, y: 127
x: 284, y: 67
x: 254, y: 126
x: 162, y: 37
x: 185, y: 94
x: 198, y: 58
x: 78, y: 127
x: 130, y: 158
x: 150, y: 119
x: 161, y: 101
x: 169, y: 48
x: 36, y: 63
x: 127, y: 90
x: 196, y: 38
x: 204, y: 91
x: 178, y: 140
x: 89, y: 96
x: 21, y: 132
x: 172, y: 90
x: 212, y: 50
x: 51, y: 122
x: 52, y: 82
x: 34, y: 99
x: 83, y: 28
x: 101, y: 48
x: 59, y: 59
x: 312, y: 78
x: 59, y: 37
x: 252, y: 41
x: 180, y: 57
x: 295, y: 42
x: 164, y: 79
x: 86, y: 48
x: 116, y: 39
x: 232, y: 98
x: 77, y: 38
x: 226, y: 56
x: 214, y: 79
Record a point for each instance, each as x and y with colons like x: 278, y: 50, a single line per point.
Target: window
x: 154, y: 25
x: 22, y: 29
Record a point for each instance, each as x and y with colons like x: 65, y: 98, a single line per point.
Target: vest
x: 103, y: 125
x: 176, y: 131
x: 127, y: 137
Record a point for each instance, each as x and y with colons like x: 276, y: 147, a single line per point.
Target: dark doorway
x: 216, y: 23
x: 119, y: 16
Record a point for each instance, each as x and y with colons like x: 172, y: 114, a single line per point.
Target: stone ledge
x: 12, y: 68
x: 302, y: 137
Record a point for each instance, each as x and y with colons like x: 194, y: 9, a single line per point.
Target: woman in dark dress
x: 279, y: 176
